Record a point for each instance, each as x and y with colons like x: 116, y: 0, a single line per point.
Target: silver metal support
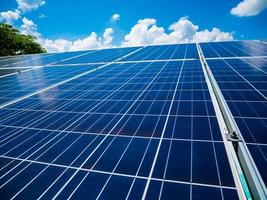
x: 246, y: 175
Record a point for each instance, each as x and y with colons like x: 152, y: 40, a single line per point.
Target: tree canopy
x: 12, y: 42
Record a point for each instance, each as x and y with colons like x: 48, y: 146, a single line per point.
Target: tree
x: 12, y: 42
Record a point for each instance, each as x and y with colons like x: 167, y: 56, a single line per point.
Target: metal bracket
x: 233, y: 137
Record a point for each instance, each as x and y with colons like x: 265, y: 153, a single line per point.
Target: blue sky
x: 59, y: 25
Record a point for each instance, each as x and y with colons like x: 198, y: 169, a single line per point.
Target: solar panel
x: 123, y: 123
x: 44, y: 59
x: 244, y: 87
x: 234, y: 49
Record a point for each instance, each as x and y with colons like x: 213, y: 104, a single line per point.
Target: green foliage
x: 12, y: 42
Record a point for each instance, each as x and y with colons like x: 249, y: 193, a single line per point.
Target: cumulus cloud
x: 90, y: 42
x: 9, y: 16
x: 146, y: 31
x: 28, y: 27
x: 58, y: 45
x: 28, y: 5
x: 115, y: 17
x: 214, y: 35
x: 108, y: 37
x: 249, y: 8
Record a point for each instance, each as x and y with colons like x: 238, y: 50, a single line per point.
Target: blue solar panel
x: 139, y: 124
x: 16, y: 86
x: 234, y: 49
x: 5, y: 61
x: 39, y: 60
x: 5, y: 72
x: 163, y: 52
x: 243, y: 83
x: 105, y: 55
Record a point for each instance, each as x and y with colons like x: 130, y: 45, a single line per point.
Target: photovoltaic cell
x: 243, y: 83
x: 141, y: 127
x: 104, y: 55
x: 39, y: 59
x: 234, y: 49
x: 17, y: 86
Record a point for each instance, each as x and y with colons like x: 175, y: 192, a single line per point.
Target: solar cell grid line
x: 151, y: 50
x: 82, y: 94
x: 104, y: 137
x: 258, y: 46
x: 10, y: 72
x: 192, y: 114
x: 18, y: 58
x: 245, y: 79
x: 27, y: 82
x: 209, y: 50
x: 239, y: 111
x: 192, y: 136
x: 246, y: 118
x: 103, y: 55
x: 137, y: 172
x: 147, y: 112
x: 239, y: 73
x: 46, y: 59
x: 196, y: 169
x: 168, y: 155
x: 118, y: 162
x: 233, y: 49
x: 66, y: 104
x: 252, y: 49
x: 59, y: 83
x: 72, y: 57
x: 161, y: 138
x: 21, y: 62
x: 177, y: 53
x: 162, y: 82
x: 243, y: 50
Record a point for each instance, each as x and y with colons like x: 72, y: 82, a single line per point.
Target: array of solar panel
x: 243, y: 82
x: 13, y: 87
x: 39, y: 59
x: 123, y: 131
x: 173, y: 51
x: 104, y: 55
x: 234, y: 49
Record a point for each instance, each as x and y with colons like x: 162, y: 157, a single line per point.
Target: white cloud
x: 249, y: 8
x: 90, y: 42
x: 214, y: 35
x: 58, y: 45
x: 28, y: 27
x: 107, y: 37
x: 9, y: 16
x: 28, y: 5
x: 146, y: 31
x: 115, y: 17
